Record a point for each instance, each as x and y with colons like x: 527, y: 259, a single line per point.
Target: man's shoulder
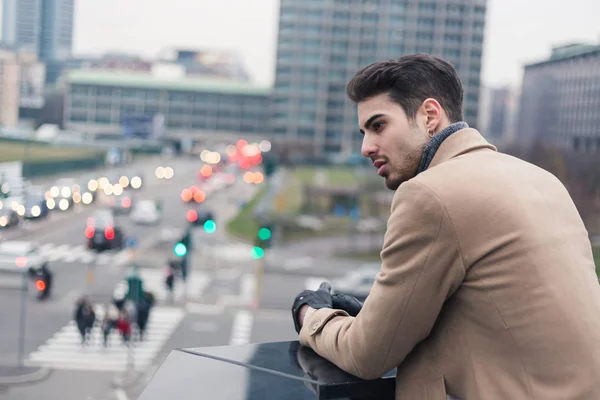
x: 464, y: 177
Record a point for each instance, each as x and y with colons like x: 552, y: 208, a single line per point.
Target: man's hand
x: 320, y: 298
x: 348, y: 303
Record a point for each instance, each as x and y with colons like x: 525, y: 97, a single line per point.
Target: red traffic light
x: 40, y: 285
x: 192, y: 215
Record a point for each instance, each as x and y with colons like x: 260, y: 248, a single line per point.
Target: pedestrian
x: 84, y: 318
x: 124, y: 326
x: 109, y: 321
x: 143, y: 313
x: 487, y: 287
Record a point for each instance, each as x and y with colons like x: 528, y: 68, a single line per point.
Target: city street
x: 218, y: 306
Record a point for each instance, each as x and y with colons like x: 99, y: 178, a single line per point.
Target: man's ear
x: 433, y: 114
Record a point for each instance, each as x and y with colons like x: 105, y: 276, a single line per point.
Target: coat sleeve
x: 421, y: 267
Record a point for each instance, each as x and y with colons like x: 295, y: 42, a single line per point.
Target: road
x: 217, y: 307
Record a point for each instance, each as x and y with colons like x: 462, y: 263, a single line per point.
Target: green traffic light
x: 264, y: 233
x: 257, y: 253
x: 210, y: 226
x: 180, y: 249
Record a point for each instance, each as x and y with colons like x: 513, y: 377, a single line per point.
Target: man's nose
x: 368, y: 148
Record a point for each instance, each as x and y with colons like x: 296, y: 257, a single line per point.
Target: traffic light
x: 210, y: 226
x: 257, y: 253
x: 269, y: 165
x: 262, y: 241
x: 180, y: 249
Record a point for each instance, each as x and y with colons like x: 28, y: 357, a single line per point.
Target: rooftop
x: 144, y: 80
x: 567, y: 52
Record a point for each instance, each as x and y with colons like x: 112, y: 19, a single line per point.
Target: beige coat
x: 487, y: 288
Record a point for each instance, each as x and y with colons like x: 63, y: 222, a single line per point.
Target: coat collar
x: 461, y: 142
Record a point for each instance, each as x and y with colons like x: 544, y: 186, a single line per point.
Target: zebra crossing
x: 79, y: 254
x: 242, y: 252
x: 65, y: 351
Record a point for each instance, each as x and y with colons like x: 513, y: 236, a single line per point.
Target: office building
x: 321, y: 44
x: 560, y: 99
x: 43, y: 27
x: 56, y: 40
x: 195, y: 108
x: 21, y: 26
x: 9, y: 88
x: 498, y: 110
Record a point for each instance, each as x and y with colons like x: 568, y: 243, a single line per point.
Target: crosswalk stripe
x: 58, y: 252
x: 154, y: 281
x: 64, y: 349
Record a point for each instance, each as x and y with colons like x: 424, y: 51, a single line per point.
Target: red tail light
x: 192, y: 215
x: 89, y: 232
x: 109, y: 233
x: 126, y: 202
x: 40, y: 285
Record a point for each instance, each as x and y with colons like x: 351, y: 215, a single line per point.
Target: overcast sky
x: 517, y: 31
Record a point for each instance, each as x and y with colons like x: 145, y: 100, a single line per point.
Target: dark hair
x: 410, y: 80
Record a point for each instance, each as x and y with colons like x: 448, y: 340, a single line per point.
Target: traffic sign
x: 131, y: 242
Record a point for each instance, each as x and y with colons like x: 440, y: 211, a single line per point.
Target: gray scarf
x: 435, y: 143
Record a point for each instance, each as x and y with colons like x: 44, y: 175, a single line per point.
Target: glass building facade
x: 560, y: 99
x: 21, y: 24
x: 322, y: 43
x: 57, y: 21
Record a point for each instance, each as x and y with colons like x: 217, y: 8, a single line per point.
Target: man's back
x: 530, y: 297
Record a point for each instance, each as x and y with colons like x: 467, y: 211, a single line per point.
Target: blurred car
x: 62, y: 194
x: 8, y: 217
x: 102, y: 233
x: 121, y: 203
x: 35, y: 207
x: 18, y: 255
x: 357, y: 283
x: 146, y: 212
x: 82, y: 194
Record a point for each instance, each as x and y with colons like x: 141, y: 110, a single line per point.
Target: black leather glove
x: 348, y: 303
x: 320, y: 298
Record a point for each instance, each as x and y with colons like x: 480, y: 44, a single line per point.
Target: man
x: 487, y: 288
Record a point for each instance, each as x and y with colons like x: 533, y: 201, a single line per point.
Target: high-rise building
x: 9, y: 88
x: 498, y: 113
x: 41, y: 27
x: 321, y: 44
x: 560, y: 99
x: 21, y: 24
x: 56, y: 40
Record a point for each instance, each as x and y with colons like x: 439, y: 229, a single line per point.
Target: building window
x: 455, y: 9
x: 341, y: 16
x: 127, y: 93
x: 103, y: 118
x: 424, y: 36
x: 451, y: 53
x: 452, y: 38
x: 80, y: 89
x: 104, y: 91
x: 397, y: 7
x: 427, y: 7
x: 79, y: 116
x: 454, y: 23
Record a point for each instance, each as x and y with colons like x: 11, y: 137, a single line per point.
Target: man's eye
x: 377, y: 126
